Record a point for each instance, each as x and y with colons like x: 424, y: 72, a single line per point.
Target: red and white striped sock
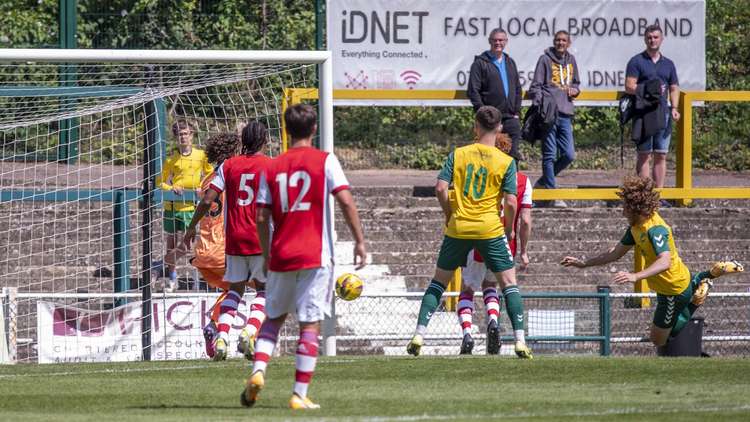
x: 307, y: 356
x: 466, y: 311
x: 227, y: 312
x: 257, y: 313
x: 269, y: 333
x: 491, y: 303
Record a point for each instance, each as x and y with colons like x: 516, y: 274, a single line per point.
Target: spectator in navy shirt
x: 651, y: 64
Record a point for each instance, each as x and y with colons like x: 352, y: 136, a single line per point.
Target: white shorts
x: 308, y: 292
x: 474, y: 273
x: 242, y: 268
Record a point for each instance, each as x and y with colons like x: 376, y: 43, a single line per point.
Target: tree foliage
x: 722, y: 131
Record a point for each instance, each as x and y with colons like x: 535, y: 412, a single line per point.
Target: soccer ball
x: 349, y: 286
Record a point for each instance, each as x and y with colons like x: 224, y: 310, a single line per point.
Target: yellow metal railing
x: 683, y: 191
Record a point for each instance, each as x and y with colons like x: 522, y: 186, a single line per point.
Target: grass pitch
x: 388, y: 388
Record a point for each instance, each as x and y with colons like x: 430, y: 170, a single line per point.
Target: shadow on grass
x: 203, y: 407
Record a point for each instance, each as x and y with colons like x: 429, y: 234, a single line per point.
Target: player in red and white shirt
x: 238, y: 178
x: 295, y: 192
x: 475, y: 274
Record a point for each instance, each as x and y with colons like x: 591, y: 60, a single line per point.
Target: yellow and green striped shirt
x: 652, y: 238
x: 479, y: 174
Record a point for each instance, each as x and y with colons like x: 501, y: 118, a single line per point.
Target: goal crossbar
x: 322, y: 58
x: 163, y: 56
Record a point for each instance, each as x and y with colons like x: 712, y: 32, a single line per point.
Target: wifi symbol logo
x: 410, y: 77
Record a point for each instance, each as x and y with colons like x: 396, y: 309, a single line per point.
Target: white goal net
x: 84, y: 135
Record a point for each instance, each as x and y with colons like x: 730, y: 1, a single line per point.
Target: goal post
x: 82, y: 224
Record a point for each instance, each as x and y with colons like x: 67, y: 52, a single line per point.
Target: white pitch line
x: 525, y: 415
x: 621, y: 411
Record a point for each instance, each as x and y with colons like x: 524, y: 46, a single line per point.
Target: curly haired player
x: 209, y: 249
x: 238, y: 178
x: 678, y: 294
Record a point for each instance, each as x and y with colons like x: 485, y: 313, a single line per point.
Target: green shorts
x: 495, y: 252
x: 668, y: 308
x: 177, y: 221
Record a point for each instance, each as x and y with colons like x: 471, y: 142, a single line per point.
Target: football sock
x: 227, y: 312
x: 465, y: 310
x: 269, y: 333
x: 430, y: 302
x: 307, y: 355
x: 216, y: 308
x: 173, y: 275
x: 701, y: 276
x: 491, y: 303
x: 257, y: 313
x: 514, y: 307
x: 691, y: 307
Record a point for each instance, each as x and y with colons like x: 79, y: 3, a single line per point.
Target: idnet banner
x: 431, y: 44
x: 70, y: 334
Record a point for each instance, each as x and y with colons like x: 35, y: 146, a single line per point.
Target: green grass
x: 380, y: 388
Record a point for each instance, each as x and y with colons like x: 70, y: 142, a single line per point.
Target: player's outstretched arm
x: 660, y: 265
x: 203, y: 207
x: 611, y: 255
x: 349, y: 209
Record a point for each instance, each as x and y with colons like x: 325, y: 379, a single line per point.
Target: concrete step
x: 556, y: 246
x: 740, y: 226
x: 578, y: 282
x: 545, y: 258
x: 433, y: 211
x: 572, y: 236
x: 546, y: 270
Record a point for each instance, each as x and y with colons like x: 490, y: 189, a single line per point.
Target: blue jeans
x: 557, y: 151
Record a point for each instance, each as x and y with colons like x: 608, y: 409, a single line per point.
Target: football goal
x: 84, y: 137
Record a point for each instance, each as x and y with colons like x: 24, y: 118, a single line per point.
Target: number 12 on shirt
x: 284, y: 182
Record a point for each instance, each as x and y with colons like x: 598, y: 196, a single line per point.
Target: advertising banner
x: 69, y: 334
x: 431, y: 44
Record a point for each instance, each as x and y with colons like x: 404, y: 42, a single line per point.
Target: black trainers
x: 493, y: 338
x: 467, y: 345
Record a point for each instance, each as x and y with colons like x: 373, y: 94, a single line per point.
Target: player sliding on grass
x: 480, y: 174
x: 295, y: 192
x: 678, y: 294
x: 238, y: 179
x: 476, y: 274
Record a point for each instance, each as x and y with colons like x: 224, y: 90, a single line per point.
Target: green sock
x: 514, y: 306
x: 701, y: 276
x: 691, y: 308
x: 430, y: 302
